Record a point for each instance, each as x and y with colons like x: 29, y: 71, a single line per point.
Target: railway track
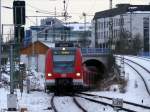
x: 57, y: 109
x: 140, y: 74
x: 148, y: 71
x: 127, y: 106
x: 142, y: 58
x: 146, y: 86
x: 78, y: 104
x: 53, y: 105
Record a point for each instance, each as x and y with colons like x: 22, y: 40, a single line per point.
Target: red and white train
x: 63, y: 68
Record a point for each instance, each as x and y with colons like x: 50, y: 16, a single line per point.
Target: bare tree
x: 123, y: 44
x: 137, y: 43
x: 127, y: 44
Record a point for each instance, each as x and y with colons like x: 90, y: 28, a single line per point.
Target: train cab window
x: 63, y: 67
x: 63, y: 62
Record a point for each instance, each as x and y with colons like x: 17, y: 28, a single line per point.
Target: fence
x: 95, y: 50
x: 144, y: 54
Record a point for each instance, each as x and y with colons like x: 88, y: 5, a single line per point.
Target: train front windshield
x: 63, y: 61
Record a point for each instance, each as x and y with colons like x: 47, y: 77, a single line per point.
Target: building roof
x: 52, y: 22
x: 121, y: 9
x: 79, y: 26
x: 37, y: 47
x: 48, y: 44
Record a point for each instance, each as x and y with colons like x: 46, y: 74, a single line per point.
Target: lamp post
x: 85, y: 37
x: 37, y: 58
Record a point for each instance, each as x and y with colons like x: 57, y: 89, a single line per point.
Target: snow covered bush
x: 36, y: 80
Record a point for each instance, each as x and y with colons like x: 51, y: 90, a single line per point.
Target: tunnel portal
x: 94, y: 65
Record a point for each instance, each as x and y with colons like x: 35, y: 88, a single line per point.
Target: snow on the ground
x: 5, y: 77
x: 65, y: 104
x: 34, y: 102
x: 94, y: 107
x: 144, y: 74
x: 36, y: 80
x: 142, y: 62
x: 3, y: 98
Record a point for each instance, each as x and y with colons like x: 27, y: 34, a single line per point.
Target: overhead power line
x: 38, y: 9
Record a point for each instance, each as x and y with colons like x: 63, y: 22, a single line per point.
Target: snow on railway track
x: 66, y: 104
x: 94, y: 107
x: 127, y: 106
x: 139, y: 57
x: 144, y: 63
x: 142, y: 70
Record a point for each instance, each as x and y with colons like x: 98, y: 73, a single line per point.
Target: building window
x: 114, y: 22
x: 102, y: 25
x: 90, y: 27
x: 71, y: 28
x: 81, y: 27
x: 146, y: 34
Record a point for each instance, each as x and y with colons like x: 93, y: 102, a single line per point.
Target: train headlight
x: 78, y: 74
x: 63, y: 48
x: 49, y: 74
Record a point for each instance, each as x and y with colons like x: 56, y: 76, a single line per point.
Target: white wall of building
x: 93, y: 35
x: 34, y: 35
x: 136, y: 23
x: 41, y: 60
x: 32, y: 62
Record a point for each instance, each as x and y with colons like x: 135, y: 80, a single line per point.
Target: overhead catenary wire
x: 36, y: 8
x: 53, y: 12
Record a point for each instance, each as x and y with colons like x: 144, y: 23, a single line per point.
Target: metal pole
x: 36, y: 18
x: 131, y: 23
x: 37, y: 45
x: 149, y: 39
x: 110, y: 4
x: 110, y: 28
x: 84, y: 14
x: 11, y: 69
x: 0, y: 41
x: 84, y: 42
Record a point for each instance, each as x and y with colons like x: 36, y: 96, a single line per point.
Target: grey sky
x: 75, y: 8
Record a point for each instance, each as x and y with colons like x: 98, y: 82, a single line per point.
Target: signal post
x: 15, y: 73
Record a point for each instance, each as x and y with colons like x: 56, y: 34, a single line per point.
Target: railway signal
x: 15, y: 74
x: 19, y: 12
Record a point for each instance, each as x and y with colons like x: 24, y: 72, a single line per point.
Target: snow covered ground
x: 66, y: 104
x: 40, y: 101
x: 34, y: 102
x: 94, y: 107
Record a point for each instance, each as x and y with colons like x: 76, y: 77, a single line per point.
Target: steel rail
x: 127, y: 102
x: 77, y: 103
x: 53, y: 105
x: 106, y: 104
x: 135, y: 63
